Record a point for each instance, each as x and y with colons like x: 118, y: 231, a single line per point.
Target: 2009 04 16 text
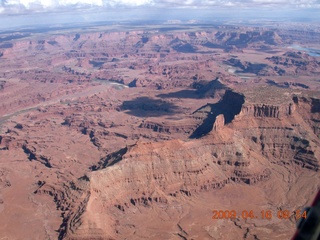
x: 263, y: 214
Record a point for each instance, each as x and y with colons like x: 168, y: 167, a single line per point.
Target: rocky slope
x: 168, y: 175
x: 141, y: 134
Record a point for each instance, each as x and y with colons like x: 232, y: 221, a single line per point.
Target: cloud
x: 54, y: 3
x: 25, y: 5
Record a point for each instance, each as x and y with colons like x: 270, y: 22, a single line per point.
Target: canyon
x: 141, y: 133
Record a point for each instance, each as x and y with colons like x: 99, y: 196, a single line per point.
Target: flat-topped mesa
x: 267, y: 111
x: 158, y: 174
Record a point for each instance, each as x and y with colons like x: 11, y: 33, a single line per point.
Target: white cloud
x: 38, y: 4
x: 52, y: 3
x: 128, y: 2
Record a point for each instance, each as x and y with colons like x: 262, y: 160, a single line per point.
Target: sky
x: 18, y: 6
x: 25, y: 13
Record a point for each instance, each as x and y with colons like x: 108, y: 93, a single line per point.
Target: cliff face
x: 158, y: 174
x: 309, y: 109
x: 142, y: 134
x: 268, y: 111
x: 219, y: 123
x: 168, y: 127
x: 282, y: 142
x: 165, y: 176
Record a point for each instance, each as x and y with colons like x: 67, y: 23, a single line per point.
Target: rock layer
x: 142, y: 134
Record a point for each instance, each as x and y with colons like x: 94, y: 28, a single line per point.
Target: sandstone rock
x: 84, y: 156
x: 219, y: 123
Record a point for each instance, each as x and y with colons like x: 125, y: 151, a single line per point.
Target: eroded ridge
x: 140, y: 134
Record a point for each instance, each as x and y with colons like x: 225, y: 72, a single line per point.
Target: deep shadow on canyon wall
x: 230, y: 105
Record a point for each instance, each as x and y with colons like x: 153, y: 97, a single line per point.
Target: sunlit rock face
x: 143, y: 133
